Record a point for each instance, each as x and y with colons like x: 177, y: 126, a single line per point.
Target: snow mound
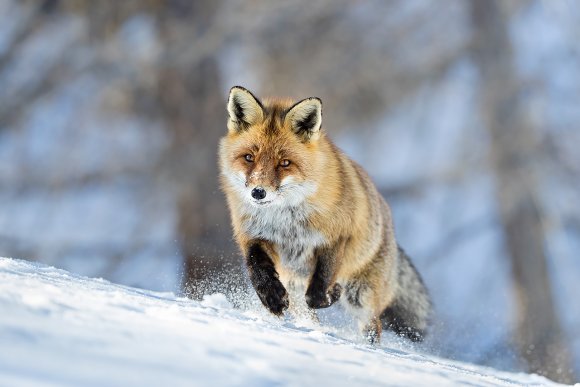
x: 57, y: 328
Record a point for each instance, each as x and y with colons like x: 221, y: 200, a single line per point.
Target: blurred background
x: 465, y: 113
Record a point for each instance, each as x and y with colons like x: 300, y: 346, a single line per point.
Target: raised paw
x: 318, y: 299
x: 274, y: 296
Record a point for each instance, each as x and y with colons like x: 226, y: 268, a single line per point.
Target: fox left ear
x: 305, y: 118
x: 244, y: 109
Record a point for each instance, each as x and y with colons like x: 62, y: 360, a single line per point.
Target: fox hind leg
x: 401, y: 319
x: 360, y: 299
x: 298, y: 307
x: 373, y: 330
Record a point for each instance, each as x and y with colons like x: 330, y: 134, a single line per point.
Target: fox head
x: 270, y: 155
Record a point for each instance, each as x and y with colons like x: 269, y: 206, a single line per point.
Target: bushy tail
x: 410, y: 312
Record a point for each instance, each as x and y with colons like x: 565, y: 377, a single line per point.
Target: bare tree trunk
x: 539, y: 338
x: 192, y: 104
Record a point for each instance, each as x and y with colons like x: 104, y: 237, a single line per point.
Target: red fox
x: 307, y: 217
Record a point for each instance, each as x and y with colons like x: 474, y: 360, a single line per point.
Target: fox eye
x: 249, y: 158
x: 285, y: 163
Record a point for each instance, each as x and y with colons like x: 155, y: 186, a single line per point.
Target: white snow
x: 58, y: 328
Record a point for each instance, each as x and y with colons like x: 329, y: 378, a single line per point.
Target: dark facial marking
x: 274, y: 114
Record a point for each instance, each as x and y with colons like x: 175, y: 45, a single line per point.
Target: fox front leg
x: 265, y: 280
x: 323, y: 291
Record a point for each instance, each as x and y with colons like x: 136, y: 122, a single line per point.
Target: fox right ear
x: 244, y: 109
x: 305, y: 118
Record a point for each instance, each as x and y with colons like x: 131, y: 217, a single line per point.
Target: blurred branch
x: 40, y: 183
x: 420, y: 185
x: 18, y: 248
x: 32, y: 22
x: 458, y: 236
x: 12, y: 108
x: 551, y: 146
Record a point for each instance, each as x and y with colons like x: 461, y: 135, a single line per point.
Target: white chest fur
x: 288, y: 229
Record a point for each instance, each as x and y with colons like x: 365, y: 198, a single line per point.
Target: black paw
x: 318, y: 299
x: 274, y: 296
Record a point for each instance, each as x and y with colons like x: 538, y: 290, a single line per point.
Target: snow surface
x: 58, y: 328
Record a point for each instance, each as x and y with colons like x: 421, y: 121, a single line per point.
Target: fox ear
x: 305, y: 118
x: 244, y: 109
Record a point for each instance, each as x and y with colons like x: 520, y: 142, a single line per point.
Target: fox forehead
x: 271, y: 136
x: 272, y: 124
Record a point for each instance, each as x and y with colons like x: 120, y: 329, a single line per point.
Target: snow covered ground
x: 58, y: 328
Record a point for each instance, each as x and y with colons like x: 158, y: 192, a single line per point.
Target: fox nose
x: 258, y: 193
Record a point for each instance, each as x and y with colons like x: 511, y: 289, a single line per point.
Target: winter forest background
x: 465, y: 113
